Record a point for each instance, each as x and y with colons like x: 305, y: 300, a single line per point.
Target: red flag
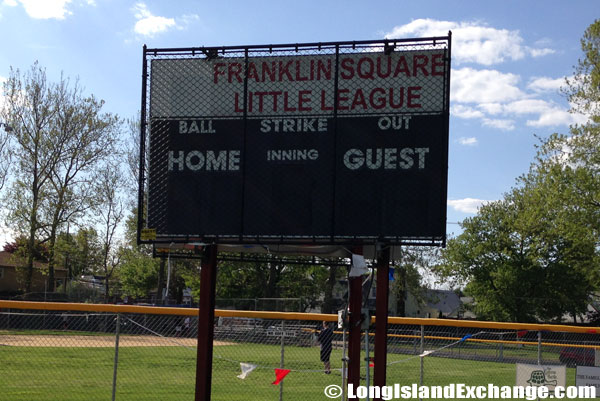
x: 521, y: 333
x: 280, y: 374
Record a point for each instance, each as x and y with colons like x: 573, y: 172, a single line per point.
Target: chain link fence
x: 93, y: 353
x: 264, y: 304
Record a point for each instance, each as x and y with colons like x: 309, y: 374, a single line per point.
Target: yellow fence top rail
x: 158, y: 310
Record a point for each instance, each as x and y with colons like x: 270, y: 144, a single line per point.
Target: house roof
x: 8, y: 259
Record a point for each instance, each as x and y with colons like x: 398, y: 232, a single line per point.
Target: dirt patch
x: 99, y: 341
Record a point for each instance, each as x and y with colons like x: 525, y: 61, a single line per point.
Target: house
x: 11, y: 273
x: 435, y: 303
x: 432, y: 303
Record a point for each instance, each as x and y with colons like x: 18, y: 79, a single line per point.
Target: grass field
x: 168, y: 373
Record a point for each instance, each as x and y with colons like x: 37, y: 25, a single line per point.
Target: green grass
x: 168, y: 373
x: 490, y: 350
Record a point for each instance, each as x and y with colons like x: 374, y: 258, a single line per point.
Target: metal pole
x: 116, y: 363
x: 44, y: 318
x: 416, y: 333
x: 142, y: 165
x: 67, y: 266
x: 422, y: 349
x: 281, y: 364
x: 165, y: 297
x: 367, y: 367
x: 354, y: 332
x: 344, y: 364
x: 444, y: 178
x: 206, y: 323
x: 539, y: 348
x: 381, y: 317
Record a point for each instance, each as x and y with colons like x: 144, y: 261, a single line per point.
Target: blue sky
x: 509, y: 60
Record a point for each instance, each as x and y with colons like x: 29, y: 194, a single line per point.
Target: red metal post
x: 206, y: 318
x: 354, y: 332
x: 381, y: 317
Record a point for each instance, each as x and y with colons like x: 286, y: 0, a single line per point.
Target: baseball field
x: 59, y: 367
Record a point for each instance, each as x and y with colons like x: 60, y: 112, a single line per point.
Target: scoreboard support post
x: 354, y: 326
x: 206, y: 320
x: 381, y: 317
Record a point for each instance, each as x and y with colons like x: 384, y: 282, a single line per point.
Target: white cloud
x: 472, y: 41
x: 497, y: 99
x: 553, y: 117
x: 484, y: 86
x: 545, y: 84
x: 490, y: 108
x: 148, y: 24
x: 501, y: 124
x: 467, y: 205
x: 10, y: 3
x: 527, y: 106
x: 545, y: 113
x: 45, y: 9
x: 471, y: 141
x: 462, y: 111
x: 540, y: 52
x: 186, y: 20
x: 549, y: 114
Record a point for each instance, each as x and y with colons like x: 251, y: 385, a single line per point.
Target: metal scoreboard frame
x: 301, y: 144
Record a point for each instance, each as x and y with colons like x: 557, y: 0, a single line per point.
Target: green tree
x: 583, y: 88
x: 5, y: 153
x: 57, y: 140
x: 572, y: 162
x: 275, y: 279
x: 522, y: 261
x: 90, y: 138
x: 334, y: 274
x: 79, y: 252
x: 30, y: 108
x: 110, y: 212
x: 408, y: 277
x: 138, y: 273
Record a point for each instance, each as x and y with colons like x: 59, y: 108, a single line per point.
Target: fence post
x: 367, y: 367
x: 281, y: 364
x: 344, y: 363
x: 539, y: 349
x: 116, y: 363
x: 415, y: 341
x: 501, y: 350
x: 422, y: 350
